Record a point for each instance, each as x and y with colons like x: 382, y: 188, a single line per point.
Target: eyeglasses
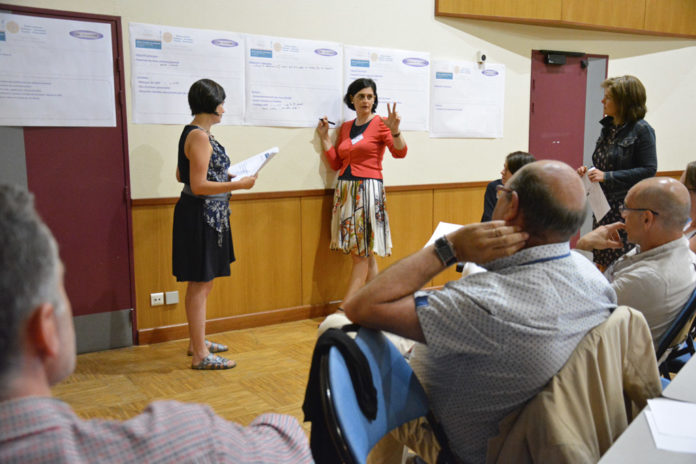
x: 623, y: 208
x: 499, y: 189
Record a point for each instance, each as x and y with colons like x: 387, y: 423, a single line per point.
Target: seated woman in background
x: 688, y: 178
x: 513, y: 162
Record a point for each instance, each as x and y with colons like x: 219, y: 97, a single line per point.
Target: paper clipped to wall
x: 252, y: 165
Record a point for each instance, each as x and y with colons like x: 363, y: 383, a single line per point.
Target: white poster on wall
x: 166, y: 60
x: 467, y: 99
x: 292, y: 82
x: 55, y: 72
x: 402, y: 77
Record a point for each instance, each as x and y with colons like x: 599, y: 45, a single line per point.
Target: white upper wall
x: 665, y: 65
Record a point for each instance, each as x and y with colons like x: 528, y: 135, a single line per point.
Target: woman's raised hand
x: 323, y: 127
x: 393, y: 120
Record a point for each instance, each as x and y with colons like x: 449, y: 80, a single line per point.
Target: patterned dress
x: 202, y: 241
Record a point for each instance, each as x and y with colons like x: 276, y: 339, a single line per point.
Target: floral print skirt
x: 359, y: 223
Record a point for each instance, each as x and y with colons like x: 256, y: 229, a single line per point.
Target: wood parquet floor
x: 271, y: 376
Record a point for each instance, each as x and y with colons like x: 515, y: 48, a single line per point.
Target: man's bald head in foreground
x: 551, y: 201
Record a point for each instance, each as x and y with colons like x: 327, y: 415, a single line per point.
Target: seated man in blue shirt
x: 490, y: 341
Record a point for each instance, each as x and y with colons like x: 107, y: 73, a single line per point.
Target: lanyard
x: 543, y: 260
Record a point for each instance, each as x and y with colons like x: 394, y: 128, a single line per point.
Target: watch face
x: 444, y: 250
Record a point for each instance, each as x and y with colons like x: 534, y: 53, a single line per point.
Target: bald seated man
x: 490, y: 341
x: 37, y: 350
x: 659, y: 274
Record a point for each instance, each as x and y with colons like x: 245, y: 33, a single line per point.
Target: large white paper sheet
x: 402, y: 77
x: 252, y: 165
x: 55, y: 72
x: 443, y: 228
x: 467, y: 100
x: 595, y: 197
x: 671, y: 424
x: 166, y: 60
x: 292, y: 82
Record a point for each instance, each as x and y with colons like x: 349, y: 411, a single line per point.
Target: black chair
x: 400, y: 398
x: 676, y: 346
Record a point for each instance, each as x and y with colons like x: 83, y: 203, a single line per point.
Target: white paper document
x: 467, y: 100
x: 672, y: 424
x: 292, y: 82
x: 402, y: 77
x: 596, y: 198
x: 55, y: 72
x: 166, y: 60
x: 443, y: 228
x: 252, y: 165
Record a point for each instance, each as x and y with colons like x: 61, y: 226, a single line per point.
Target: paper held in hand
x: 252, y: 165
x: 595, y: 196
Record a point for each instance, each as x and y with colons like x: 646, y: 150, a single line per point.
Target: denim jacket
x: 633, y: 156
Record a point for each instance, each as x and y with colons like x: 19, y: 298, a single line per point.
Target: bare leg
x: 196, y: 297
x: 358, y: 275
x: 372, y: 269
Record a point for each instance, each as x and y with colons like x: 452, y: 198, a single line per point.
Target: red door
x: 79, y: 176
x: 557, y: 109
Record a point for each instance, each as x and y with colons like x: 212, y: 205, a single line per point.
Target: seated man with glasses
x: 490, y: 341
x: 659, y: 274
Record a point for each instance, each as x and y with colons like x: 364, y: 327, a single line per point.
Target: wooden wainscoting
x: 284, y: 269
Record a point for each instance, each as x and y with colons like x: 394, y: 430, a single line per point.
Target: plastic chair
x: 677, y: 345
x: 400, y: 396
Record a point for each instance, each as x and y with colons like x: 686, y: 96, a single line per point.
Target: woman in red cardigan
x: 359, y: 223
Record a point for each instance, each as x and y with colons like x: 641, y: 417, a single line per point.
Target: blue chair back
x: 670, y: 338
x: 681, y: 328
x: 400, y: 396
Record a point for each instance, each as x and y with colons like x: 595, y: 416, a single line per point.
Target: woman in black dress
x: 202, y: 242
x: 624, y: 155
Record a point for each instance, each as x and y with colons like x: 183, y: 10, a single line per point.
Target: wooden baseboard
x: 243, y: 321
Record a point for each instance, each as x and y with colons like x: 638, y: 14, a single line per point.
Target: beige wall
x: 665, y: 65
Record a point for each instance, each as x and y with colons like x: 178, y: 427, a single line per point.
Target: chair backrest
x: 400, y: 396
x: 583, y: 408
x: 679, y: 329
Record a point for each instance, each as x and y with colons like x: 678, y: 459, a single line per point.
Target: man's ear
x: 512, y: 210
x: 42, y: 332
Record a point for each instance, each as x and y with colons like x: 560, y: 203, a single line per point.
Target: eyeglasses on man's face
x: 623, y: 209
x: 500, y: 189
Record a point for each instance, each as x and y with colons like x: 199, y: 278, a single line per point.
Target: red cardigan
x: 365, y: 156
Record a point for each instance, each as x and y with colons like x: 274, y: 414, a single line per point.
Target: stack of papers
x: 252, y: 165
x: 672, y: 424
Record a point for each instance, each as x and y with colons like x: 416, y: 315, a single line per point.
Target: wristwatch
x: 445, y: 251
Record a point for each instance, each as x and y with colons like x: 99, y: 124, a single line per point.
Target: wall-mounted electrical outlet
x: 171, y: 297
x: 156, y: 299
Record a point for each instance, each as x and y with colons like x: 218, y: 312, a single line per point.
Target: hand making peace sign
x: 393, y: 119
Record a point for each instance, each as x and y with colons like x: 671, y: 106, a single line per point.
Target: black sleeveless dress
x: 202, y: 241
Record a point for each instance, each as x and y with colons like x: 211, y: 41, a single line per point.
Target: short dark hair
x: 629, y: 95
x: 29, y: 275
x: 690, y: 176
x: 356, y: 86
x: 204, y: 96
x: 517, y: 159
x: 543, y: 213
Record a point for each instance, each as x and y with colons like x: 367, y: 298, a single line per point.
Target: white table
x: 683, y: 386
x: 636, y: 445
